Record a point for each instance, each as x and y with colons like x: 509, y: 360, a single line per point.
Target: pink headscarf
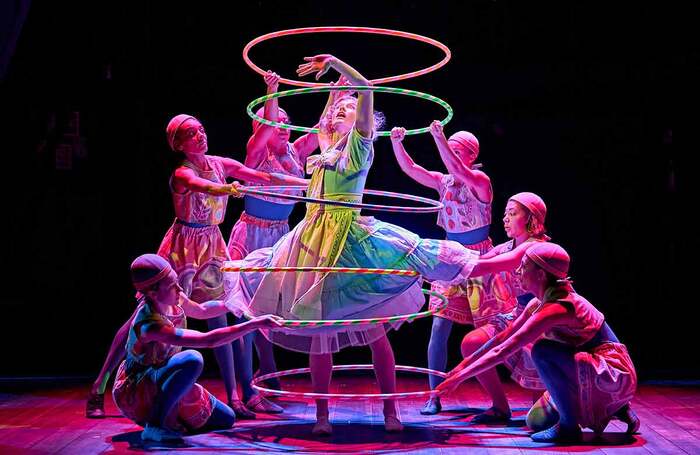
x: 173, y: 125
x: 260, y: 113
x: 550, y: 257
x: 533, y: 203
x: 147, y: 270
x: 466, y: 140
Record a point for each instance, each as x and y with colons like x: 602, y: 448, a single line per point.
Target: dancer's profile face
x: 529, y: 274
x: 515, y: 219
x: 191, y: 137
x: 344, y: 115
x: 167, y: 292
x: 467, y: 155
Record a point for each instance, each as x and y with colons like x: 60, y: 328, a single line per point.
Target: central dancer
x: 334, y: 236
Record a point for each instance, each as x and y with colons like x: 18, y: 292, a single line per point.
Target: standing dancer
x: 523, y: 222
x: 338, y: 236
x: 466, y: 194
x: 263, y: 222
x: 155, y: 386
x: 588, y: 373
x: 194, y: 245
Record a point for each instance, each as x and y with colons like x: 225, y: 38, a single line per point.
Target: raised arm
x: 305, y: 146
x: 256, y: 149
x: 534, y: 326
x: 211, y: 339
x: 479, y: 182
x: 431, y: 179
x: 320, y: 64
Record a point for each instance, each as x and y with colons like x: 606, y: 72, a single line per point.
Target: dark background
x: 571, y: 100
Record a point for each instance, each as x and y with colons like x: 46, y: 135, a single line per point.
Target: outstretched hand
x: 453, y: 380
x: 234, y: 188
x: 319, y: 64
x: 272, y: 80
x: 449, y: 385
x: 398, y: 134
x: 436, y: 129
x: 267, y: 321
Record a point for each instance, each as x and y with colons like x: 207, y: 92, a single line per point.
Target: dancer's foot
x: 322, y: 427
x: 432, y: 407
x: 392, y: 424
x: 153, y: 433
x: 240, y: 410
x: 95, y: 406
x: 259, y: 403
x: 628, y: 416
x: 558, y: 433
x: 491, y: 416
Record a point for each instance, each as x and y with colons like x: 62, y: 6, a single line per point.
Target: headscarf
x: 533, y: 203
x: 174, y: 125
x: 466, y: 140
x: 550, y: 257
x: 260, y: 113
x: 147, y: 270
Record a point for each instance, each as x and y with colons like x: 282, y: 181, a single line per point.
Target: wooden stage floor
x: 37, y: 419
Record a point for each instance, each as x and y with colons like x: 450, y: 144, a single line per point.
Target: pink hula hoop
x: 433, y: 205
x: 371, y: 30
x: 365, y: 396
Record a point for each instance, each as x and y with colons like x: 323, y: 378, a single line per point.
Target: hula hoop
x: 319, y: 323
x: 300, y: 91
x: 365, y: 396
x: 433, y: 205
x: 351, y: 270
x: 370, y: 30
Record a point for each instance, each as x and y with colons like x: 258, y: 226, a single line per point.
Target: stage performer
x: 337, y: 236
x: 155, y: 386
x: 466, y: 194
x: 523, y: 221
x: 264, y: 221
x: 194, y: 245
x: 588, y: 373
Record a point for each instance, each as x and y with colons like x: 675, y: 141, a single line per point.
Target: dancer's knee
x: 473, y: 341
x: 191, y: 360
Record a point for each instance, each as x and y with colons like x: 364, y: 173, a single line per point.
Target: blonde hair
x: 326, y: 122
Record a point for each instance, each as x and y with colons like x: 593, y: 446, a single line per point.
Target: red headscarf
x: 550, y: 257
x: 147, y: 270
x: 173, y: 125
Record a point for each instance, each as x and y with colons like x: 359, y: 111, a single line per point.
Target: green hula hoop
x: 301, y: 91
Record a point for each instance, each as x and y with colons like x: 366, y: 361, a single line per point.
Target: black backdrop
x: 569, y: 100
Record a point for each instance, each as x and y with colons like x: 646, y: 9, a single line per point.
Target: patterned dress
x: 264, y: 220
x: 475, y: 301
x: 606, y: 375
x: 194, y: 240
x: 337, y: 236
x: 520, y: 364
